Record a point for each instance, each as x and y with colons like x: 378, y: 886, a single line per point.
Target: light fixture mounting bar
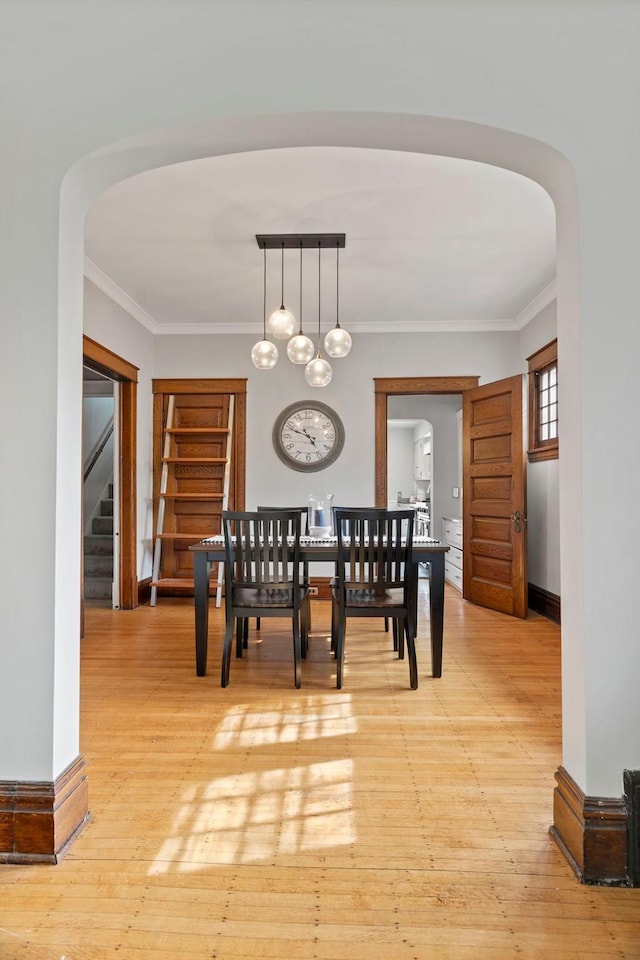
x: 290, y: 241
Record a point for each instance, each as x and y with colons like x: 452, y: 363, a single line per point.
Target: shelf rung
x: 188, y: 430
x: 192, y: 496
x: 192, y: 537
x: 173, y: 582
x: 194, y: 459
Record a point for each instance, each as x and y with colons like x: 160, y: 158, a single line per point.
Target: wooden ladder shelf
x: 194, y: 487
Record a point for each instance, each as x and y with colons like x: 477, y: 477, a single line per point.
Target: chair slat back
x: 303, y: 511
x: 262, y: 549
x: 375, y: 547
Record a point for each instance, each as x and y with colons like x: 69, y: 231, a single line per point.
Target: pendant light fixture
x: 318, y: 371
x: 282, y: 323
x: 337, y: 342
x: 264, y: 354
x: 300, y: 348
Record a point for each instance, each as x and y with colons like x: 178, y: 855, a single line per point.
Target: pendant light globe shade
x: 300, y: 349
x: 264, y: 355
x: 282, y: 324
x: 337, y: 342
x: 318, y: 372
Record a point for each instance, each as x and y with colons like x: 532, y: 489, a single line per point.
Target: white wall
x: 114, y: 328
x: 400, y: 462
x: 351, y: 393
x: 97, y: 412
x: 543, y: 480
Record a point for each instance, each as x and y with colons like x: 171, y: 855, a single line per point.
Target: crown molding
x: 496, y: 325
x: 541, y: 300
x: 402, y: 326
x: 103, y: 282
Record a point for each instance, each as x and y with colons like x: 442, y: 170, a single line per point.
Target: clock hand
x: 303, y: 433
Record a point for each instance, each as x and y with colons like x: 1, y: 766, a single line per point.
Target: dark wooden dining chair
x: 305, y: 613
x: 375, y: 576
x: 386, y: 619
x: 262, y: 576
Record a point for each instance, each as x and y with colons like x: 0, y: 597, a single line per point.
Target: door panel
x: 495, y: 551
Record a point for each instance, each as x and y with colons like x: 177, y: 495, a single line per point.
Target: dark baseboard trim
x: 40, y: 819
x: 591, y: 833
x: 543, y: 602
x: 144, y: 591
x: 631, y: 780
x: 323, y: 585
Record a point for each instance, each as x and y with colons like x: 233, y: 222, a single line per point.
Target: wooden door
x: 494, y: 486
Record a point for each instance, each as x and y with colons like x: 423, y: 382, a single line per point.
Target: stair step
x: 98, y: 565
x: 98, y: 588
x: 98, y: 545
x: 102, y: 525
x: 106, y: 508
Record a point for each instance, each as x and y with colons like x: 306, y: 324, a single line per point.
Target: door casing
x: 386, y: 387
x: 116, y: 368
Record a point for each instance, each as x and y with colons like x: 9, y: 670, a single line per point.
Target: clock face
x: 308, y: 436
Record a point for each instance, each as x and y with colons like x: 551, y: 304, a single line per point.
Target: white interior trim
x: 109, y: 287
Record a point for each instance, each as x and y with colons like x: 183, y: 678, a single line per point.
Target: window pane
x: 543, y: 405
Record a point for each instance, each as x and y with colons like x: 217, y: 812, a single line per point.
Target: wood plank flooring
x: 318, y: 824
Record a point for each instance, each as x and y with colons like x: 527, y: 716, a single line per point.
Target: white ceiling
x: 432, y: 243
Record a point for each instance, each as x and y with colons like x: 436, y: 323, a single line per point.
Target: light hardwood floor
x: 371, y: 822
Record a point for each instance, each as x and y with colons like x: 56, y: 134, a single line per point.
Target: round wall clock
x: 308, y: 436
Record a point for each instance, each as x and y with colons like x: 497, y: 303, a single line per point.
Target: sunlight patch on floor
x: 309, y: 720
x: 252, y: 816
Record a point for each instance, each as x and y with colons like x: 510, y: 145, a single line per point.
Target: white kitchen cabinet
x: 452, y: 536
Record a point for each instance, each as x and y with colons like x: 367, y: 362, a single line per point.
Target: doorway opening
x: 123, y: 377
x: 100, y: 493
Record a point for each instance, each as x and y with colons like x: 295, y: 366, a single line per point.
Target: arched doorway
x: 533, y: 159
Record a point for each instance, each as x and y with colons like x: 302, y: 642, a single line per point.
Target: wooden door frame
x: 386, y: 387
x: 126, y: 374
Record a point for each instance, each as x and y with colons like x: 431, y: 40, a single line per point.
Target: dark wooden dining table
x: 318, y: 550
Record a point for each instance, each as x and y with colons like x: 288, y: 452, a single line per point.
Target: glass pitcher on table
x: 320, y: 519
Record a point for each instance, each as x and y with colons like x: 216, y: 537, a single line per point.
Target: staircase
x: 98, y: 553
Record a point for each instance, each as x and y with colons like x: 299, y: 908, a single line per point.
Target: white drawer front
x: 453, y: 575
x: 452, y: 532
x: 454, y: 557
